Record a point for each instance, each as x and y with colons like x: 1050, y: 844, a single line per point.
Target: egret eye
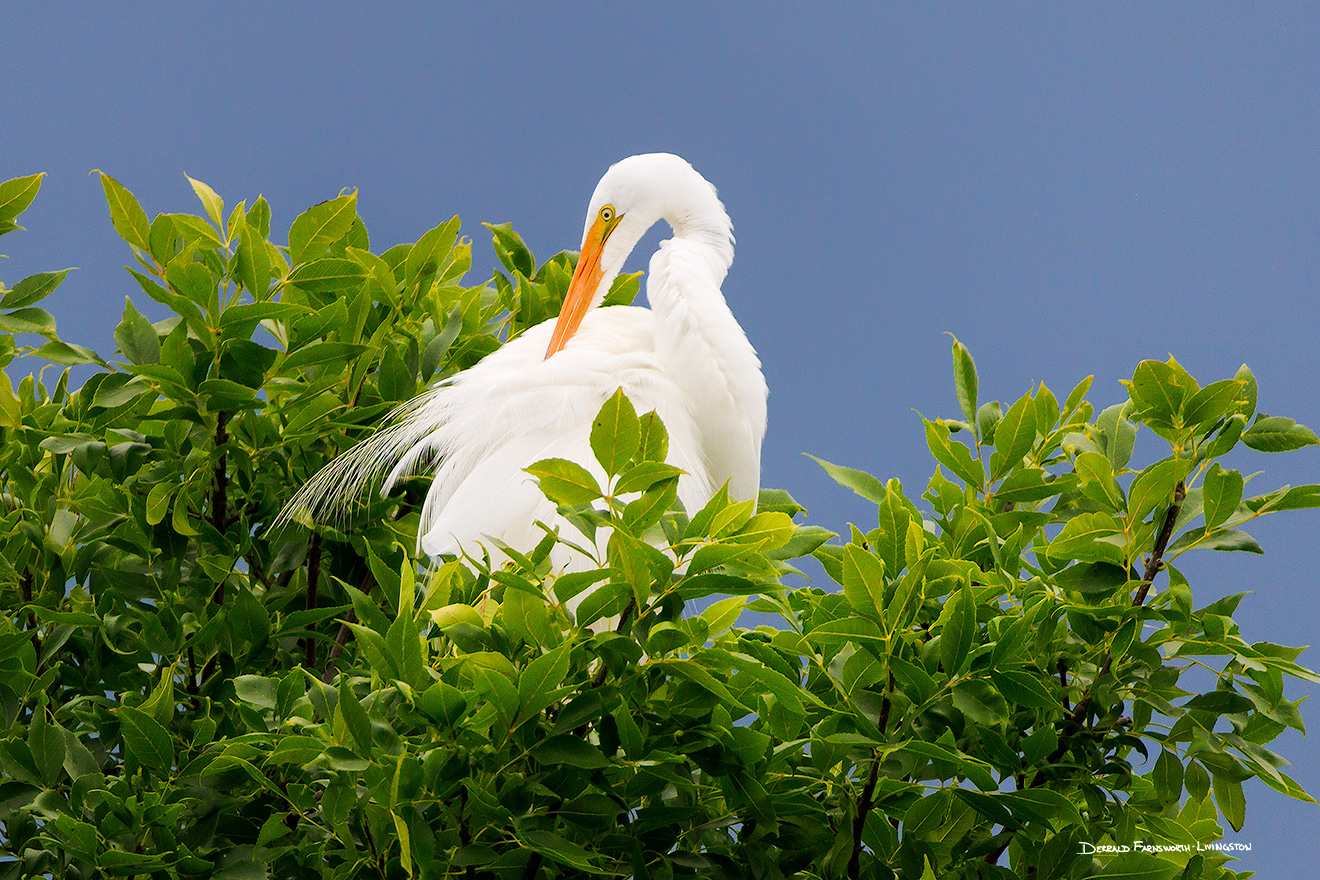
x: 607, y: 213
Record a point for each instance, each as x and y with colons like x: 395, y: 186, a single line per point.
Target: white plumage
x: 686, y: 357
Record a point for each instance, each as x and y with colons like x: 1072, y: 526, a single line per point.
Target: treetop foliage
x: 994, y: 685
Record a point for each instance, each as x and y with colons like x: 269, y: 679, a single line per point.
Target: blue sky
x: 1067, y: 189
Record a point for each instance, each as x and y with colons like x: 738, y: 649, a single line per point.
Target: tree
x: 992, y: 687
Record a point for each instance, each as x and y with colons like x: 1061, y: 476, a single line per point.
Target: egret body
x: 686, y: 357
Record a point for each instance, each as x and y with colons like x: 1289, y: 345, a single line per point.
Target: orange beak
x: 582, y: 289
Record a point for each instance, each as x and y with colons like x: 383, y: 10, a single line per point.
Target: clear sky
x: 1068, y: 188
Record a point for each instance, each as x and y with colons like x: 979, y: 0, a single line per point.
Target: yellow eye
x: 607, y: 213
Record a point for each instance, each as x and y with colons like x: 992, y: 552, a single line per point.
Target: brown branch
x: 313, y: 575
x: 859, y: 820
x: 1063, y: 683
x: 341, y: 639
x: 345, y: 633
x: 1153, y: 566
x: 623, y: 620
x: 533, y: 866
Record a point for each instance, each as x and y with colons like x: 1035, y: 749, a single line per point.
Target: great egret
x: 686, y: 357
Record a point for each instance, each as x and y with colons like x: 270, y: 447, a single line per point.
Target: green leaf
x: 860, y: 482
x: 252, y: 263
x: 355, y: 718
x: 541, y: 677
x: 964, y: 377
x: 564, y: 481
x: 1215, y: 401
x: 863, y: 580
x: 1153, y: 489
x: 136, y: 337
x: 215, y: 206
x: 322, y: 353
x: 145, y: 739
x: 46, y: 741
x: 1221, y: 493
x: 321, y: 225
x: 1138, y: 866
x: 1014, y: 436
x: 955, y: 456
x: 127, y: 216
x: 1098, y: 481
x: 615, y: 433
x: 652, y: 439
x: 425, y: 257
x: 644, y: 475
x: 1084, y: 539
x: 1024, y: 687
x: 29, y: 320
x: 328, y: 275
x: 1159, y: 390
x: 1230, y: 799
x: 32, y: 289
x: 560, y: 850
x: 17, y: 193
x: 959, y: 630
x: 510, y: 249
x: 1278, y: 434
x: 1120, y: 434
x: 567, y: 749
x: 1220, y: 539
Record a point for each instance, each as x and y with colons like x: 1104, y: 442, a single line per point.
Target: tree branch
x: 313, y: 575
x: 345, y: 633
x: 1153, y: 566
x: 859, y: 820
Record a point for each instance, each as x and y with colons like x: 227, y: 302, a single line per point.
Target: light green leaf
x: 860, y: 482
x: 564, y: 481
x: 1221, y: 493
x: 314, y: 230
x: 127, y: 216
x: 1014, y: 436
x: 17, y: 193
x: 964, y: 378
x: 32, y: 289
x: 615, y: 433
x: 1083, y: 539
x: 328, y: 275
x: 215, y: 206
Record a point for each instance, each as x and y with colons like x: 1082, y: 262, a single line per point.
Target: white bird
x: 685, y: 357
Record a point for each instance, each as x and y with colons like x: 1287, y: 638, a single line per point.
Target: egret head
x: 630, y: 198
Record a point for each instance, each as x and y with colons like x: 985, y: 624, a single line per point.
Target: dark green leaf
x: 145, y: 739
